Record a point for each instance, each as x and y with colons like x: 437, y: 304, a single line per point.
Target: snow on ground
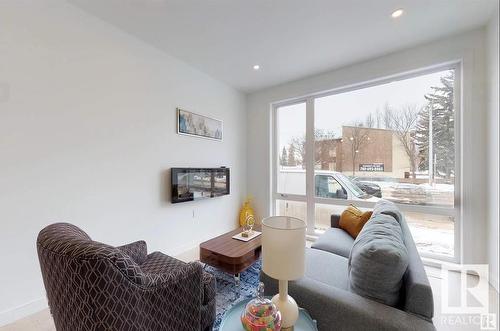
x: 438, y: 187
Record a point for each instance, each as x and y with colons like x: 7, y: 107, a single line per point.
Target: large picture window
x: 397, y: 140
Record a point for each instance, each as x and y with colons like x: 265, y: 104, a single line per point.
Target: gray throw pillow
x: 378, y: 260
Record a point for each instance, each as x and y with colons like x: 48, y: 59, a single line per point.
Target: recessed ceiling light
x: 397, y: 13
x: 256, y: 67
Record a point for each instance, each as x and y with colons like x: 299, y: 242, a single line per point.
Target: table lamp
x: 283, y: 258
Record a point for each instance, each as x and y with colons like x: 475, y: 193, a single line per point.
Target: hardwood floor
x: 41, y: 321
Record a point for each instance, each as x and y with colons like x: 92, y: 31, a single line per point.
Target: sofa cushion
x: 378, y: 261
x: 335, y: 241
x: 322, y: 268
x: 327, y: 268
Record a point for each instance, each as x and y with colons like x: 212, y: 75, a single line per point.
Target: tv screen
x: 190, y: 184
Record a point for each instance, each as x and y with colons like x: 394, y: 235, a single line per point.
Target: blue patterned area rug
x: 228, y: 294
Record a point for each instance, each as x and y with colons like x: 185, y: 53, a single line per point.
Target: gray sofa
x: 325, y: 291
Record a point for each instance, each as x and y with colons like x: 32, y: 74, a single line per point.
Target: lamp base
x: 289, y: 310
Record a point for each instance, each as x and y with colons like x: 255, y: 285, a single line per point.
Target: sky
x: 331, y: 112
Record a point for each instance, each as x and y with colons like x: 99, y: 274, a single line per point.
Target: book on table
x: 240, y: 236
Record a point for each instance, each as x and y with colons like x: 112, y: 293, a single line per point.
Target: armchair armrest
x: 335, y: 219
x: 170, y: 300
x: 189, y: 274
x: 137, y: 250
x: 177, y: 297
x: 209, y: 287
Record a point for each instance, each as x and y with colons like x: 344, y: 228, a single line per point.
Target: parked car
x: 368, y: 187
x: 382, y: 182
x: 392, y: 190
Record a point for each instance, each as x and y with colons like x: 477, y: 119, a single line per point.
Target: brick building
x: 363, y: 152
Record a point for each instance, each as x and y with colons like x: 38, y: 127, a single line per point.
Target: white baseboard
x: 29, y: 308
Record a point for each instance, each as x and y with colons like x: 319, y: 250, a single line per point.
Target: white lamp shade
x: 283, y: 247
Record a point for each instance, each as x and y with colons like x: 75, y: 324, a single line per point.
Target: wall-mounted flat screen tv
x: 190, y: 184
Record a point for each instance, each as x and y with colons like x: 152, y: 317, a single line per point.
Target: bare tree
x: 403, y: 123
x: 325, y: 146
x: 370, y: 121
x: 378, y: 117
x: 321, y: 149
x: 387, y: 116
x: 357, y: 140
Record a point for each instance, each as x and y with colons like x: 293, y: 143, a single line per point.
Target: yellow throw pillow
x: 352, y: 220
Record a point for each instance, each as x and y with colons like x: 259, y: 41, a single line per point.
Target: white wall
x: 469, y: 47
x: 493, y: 147
x: 87, y: 135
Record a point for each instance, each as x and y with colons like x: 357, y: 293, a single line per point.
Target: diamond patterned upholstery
x: 93, y: 286
x: 137, y: 250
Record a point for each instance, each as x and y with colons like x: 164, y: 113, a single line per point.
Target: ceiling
x: 289, y: 39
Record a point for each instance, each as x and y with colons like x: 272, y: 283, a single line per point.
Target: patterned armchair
x: 93, y: 286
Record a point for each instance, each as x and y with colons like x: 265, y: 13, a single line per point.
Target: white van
x: 328, y: 184
x: 336, y: 185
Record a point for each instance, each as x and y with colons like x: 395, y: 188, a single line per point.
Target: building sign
x: 371, y: 167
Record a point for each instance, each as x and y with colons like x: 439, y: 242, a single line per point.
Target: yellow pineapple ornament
x: 246, y: 212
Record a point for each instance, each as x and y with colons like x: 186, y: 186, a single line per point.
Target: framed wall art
x: 196, y: 125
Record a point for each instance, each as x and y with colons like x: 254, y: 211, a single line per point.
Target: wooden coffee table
x: 231, y: 255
